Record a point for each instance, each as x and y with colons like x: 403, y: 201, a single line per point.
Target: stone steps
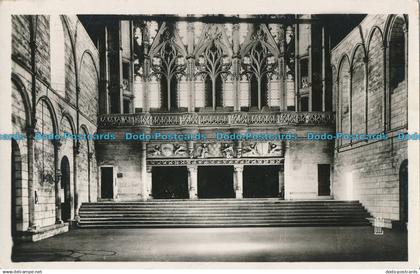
x: 222, y: 213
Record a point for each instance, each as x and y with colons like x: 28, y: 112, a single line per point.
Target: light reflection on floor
x: 219, y: 245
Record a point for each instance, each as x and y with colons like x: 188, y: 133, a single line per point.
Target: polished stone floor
x: 219, y: 245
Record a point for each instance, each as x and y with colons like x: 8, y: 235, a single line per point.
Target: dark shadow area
x: 261, y: 181
x: 215, y: 182
x: 170, y: 183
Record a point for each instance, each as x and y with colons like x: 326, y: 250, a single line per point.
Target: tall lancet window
x: 212, y: 64
x: 258, y: 63
x: 57, y: 55
x: 169, y: 64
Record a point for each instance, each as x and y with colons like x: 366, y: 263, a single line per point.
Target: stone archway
x: 403, y: 185
x: 65, y: 189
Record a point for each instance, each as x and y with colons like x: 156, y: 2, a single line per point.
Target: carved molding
x: 189, y: 162
x: 195, y: 119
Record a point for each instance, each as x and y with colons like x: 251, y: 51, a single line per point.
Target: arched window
x: 344, y: 96
x: 212, y: 66
x: 57, y: 57
x: 258, y: 61
x: 375, y: 81
x: 168, y: 80
x: 168, y: 64
x: 397, y: 54
x: 358, y: 93
x: 397, y: 72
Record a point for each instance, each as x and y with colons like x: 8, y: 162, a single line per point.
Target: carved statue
x: 155, y: 151
x: 203, y: 151
x: 250, y: 150
x: 227, y: 150
x: 180, y: 150
x: 274, y: 149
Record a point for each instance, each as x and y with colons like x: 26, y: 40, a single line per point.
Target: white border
x: 409, y: 7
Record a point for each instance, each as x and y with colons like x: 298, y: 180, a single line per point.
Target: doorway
x: 215, y: 182
x: 324, y: 182
x: 170, y: 182
x: 107, y: 182
x: 65, y: 189
x: 403, y: 177
x: 261, y: 181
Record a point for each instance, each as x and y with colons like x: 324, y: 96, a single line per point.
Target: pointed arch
x: 47, y: 101
x: 89, y: 54
x: 66, y: 116
x: 358, y: 89
x: 88, y: 84
x: 390, y: 21
x: 24, y: 94
x: 71, y: 63
x: 344, y: 91
x: 397, y: 52
x: 376, y: 81
x: 374, y: 31
x: 356, y: 50
x: 213, y: 33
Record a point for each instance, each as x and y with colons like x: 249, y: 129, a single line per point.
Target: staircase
x: 222, y: 213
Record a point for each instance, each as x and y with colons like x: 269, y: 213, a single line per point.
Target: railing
x: 216, y: 119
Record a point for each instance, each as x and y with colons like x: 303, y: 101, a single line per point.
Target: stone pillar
x: 192, y: 181
x: 281, y: 182
x: 146, y: 86
x: 57, y: 180
x: 31, y: 186
x: 144, y: 193
x: 290, y: 76
x: 149, y: 190
x: 286, y: 166
x: 76, y: 152
x: 236, y: 67
x: 190, y: 66
x: 58, y: 217
x: 146, y: 72
x: 238, y: 181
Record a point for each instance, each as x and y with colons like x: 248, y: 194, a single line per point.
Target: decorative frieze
x: 216, y: 119
x: 183, y: 162
x: 211, y: 150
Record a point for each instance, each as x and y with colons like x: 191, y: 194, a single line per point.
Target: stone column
x: 76, y: 152
x: 236, y: 67
x: 58, y: 217
x: 281, y: 182
x: 149, y: 190
x: 287, y: 165
x: 192, y: 181
x: 238, y: 181
x: 290, y: 77
x: 144, y: 193
x: 146, y: 72
x: 31, y: 187
x: 190, y: 66
x: 57, y: 180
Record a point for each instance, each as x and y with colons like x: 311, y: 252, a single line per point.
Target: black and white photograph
x: 210, y: 137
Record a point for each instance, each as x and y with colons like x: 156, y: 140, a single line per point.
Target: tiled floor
x: 219, y: 245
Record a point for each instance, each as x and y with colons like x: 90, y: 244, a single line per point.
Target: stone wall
x: 54, y: 113
x: 369, y: 170
x: 301, y: 164
x: 125, y: 157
